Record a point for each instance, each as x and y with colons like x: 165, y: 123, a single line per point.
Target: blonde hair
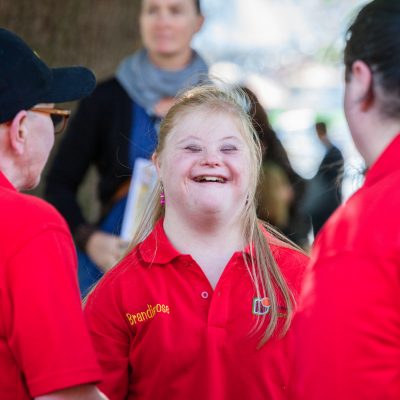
x: 263, y: 269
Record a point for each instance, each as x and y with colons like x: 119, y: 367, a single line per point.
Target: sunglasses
x: 59, y: 117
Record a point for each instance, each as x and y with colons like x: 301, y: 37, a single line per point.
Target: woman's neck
x: 173, y: 62
x: 198, y: 235
x: 211, y: 245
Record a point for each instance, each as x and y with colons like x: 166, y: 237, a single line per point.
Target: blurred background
x: 289, y: 52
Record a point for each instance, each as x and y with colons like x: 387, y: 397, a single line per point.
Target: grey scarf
x: 146, y: 84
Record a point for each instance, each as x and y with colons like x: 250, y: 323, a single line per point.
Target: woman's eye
x: 151, y: 10
x: 228, y: 149
x: 193, y: 149
x: 176, y: 10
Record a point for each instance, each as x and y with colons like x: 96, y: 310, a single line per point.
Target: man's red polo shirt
x: 162, y: 332
x: 44, y: 343
x: 348, y: 328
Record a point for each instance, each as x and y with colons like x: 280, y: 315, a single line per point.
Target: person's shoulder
x: 42, y: 209
x: 287, y: 255
x: 32, y: 211
x: 130, y: 266
x: 291, y: 261
x: 280, y: 245
x: 25, y: 217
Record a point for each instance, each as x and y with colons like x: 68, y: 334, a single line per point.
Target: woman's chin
x: 210, y: 210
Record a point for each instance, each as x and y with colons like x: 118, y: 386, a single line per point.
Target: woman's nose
x: 211, y: 158
x: 163, y: 18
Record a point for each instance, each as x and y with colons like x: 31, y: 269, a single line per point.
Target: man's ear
x: 362, y: 85
x: 18, y: 132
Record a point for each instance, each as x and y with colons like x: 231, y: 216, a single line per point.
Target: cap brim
x: 68, y: 84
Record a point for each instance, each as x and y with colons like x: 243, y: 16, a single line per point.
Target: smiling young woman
x: 228, y: 283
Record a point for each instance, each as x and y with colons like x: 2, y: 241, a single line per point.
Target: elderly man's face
x: 39, y: 142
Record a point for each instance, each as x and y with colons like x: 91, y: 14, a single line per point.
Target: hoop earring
x: 162, y: 195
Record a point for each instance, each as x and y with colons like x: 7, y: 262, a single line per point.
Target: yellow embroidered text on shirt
x: 148, y: 314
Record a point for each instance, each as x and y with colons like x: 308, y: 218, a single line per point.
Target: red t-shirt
x: 348, y: 327
x: 44, y: 343
x: 162, y: 332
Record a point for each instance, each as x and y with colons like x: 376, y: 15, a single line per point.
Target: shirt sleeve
x: 48, y: 336
x: 110, y: 336
x: 348, y: 330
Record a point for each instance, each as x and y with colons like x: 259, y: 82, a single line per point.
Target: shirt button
x: 204, y: 295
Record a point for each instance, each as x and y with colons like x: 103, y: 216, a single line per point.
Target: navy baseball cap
x: 25, y: 80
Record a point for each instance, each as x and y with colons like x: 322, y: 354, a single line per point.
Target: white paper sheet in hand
x: 142, y: 183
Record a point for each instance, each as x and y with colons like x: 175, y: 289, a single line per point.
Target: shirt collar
x: 157, y: 248
x: 386, y: 163
x: 4, y: 182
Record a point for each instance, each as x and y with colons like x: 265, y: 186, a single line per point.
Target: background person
x: 45, y: 349
x: 325, y: 189
x: 198, y: 307
x: 118, y: 124
x: 348, y: 328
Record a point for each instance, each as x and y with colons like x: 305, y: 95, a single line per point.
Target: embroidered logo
x: 148, y: 314
x: 261, y: 305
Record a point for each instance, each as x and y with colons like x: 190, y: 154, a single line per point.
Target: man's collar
x: 4, y: 182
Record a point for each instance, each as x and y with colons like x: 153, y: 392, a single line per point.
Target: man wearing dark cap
x: 45, y: 350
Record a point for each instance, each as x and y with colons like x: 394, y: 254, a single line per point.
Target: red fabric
x: 348, y: 328
x: 44, y: 344
x: 196, y: 343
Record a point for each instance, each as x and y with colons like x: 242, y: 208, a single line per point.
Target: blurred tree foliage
x: 93, y: 33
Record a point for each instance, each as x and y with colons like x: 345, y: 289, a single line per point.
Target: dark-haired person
x: 348, y: 328
x: 45, y: 349
x: 118, y: 124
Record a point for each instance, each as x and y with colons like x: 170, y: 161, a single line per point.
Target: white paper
x: 143, y: 181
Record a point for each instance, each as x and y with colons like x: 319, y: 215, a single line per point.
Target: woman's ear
x: 199, y: 23
x: 362, y: 85
x: 18, y: 133
x: 156, y: 161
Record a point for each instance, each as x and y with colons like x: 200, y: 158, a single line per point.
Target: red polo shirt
x: 44, y: 343
x: 348, y: 328
x: 162, y: 332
